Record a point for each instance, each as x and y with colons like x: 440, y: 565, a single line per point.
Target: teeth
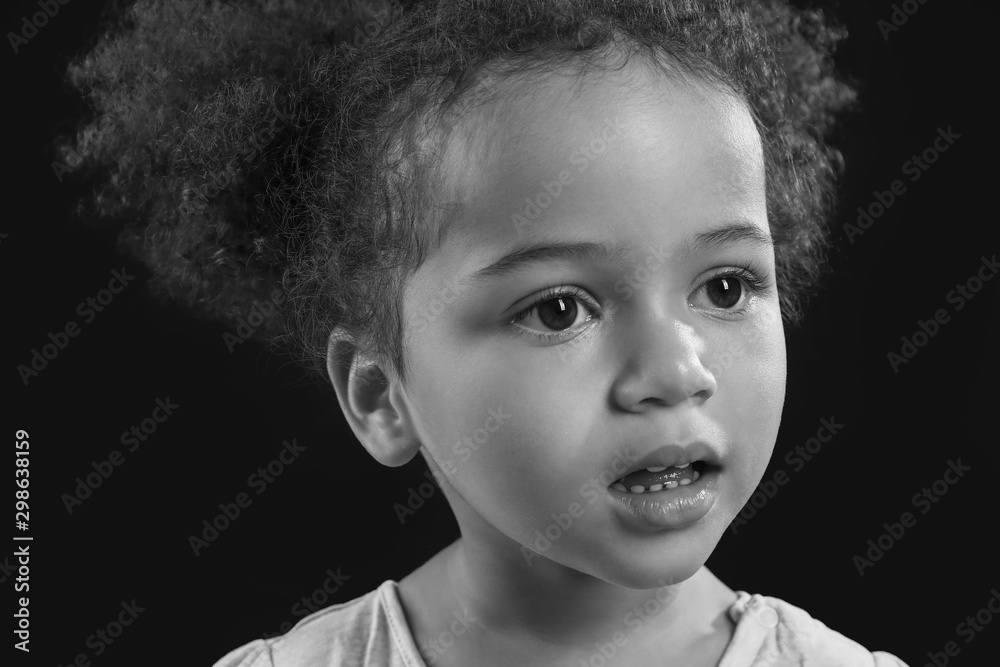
x: 662, y: 468
x: 640, y: 489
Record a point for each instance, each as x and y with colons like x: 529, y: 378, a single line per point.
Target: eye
x: 725, y: 292
x: 556, y: 312
x: 730, y: 290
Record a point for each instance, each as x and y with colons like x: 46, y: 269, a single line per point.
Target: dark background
x: 333, y: 508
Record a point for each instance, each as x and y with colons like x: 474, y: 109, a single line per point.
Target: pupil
x: 557, y: 314
x: 724, y: 292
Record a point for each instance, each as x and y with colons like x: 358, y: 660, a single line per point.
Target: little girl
x: 549, y: 246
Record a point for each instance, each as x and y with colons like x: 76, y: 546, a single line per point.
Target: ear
x: 373, y: 403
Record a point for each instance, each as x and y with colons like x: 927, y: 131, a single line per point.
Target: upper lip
x: 675, y: 454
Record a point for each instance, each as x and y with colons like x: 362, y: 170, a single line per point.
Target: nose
x: 662, y: 363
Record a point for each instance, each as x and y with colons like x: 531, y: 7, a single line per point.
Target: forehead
x: 624, y: 145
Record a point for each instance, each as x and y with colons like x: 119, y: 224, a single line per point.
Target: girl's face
x: 603, y: 301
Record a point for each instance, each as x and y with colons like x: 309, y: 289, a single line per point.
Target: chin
x: 655, y: 563
x: 658, y: 575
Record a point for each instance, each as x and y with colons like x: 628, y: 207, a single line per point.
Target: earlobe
x: 368, y: 398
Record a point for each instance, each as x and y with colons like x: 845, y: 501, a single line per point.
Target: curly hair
x: 289, y: 148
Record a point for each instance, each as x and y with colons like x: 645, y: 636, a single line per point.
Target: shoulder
x: 368, y: 631
x: 771, y: 629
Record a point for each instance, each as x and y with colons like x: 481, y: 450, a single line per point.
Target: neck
x: 547, y: 613
x: 495, y: 602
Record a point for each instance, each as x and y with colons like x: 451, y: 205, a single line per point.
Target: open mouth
x: 655, y: 479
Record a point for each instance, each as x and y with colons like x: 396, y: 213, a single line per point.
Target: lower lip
x: 669, y: 508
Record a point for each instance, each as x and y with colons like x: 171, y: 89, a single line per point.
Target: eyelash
x: 747, y: 272
x: 751, y: 276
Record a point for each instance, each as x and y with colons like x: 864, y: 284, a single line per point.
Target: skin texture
x: 657, y: 361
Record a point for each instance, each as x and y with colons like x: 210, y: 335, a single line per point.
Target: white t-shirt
x: 371, y: 631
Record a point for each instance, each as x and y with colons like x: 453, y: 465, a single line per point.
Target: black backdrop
x: 331, y: 511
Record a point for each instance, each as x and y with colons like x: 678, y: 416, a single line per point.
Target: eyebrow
x: 618, y: 254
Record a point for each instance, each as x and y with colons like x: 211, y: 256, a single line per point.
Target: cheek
x: 507, y: 434
x: 750, y: 376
